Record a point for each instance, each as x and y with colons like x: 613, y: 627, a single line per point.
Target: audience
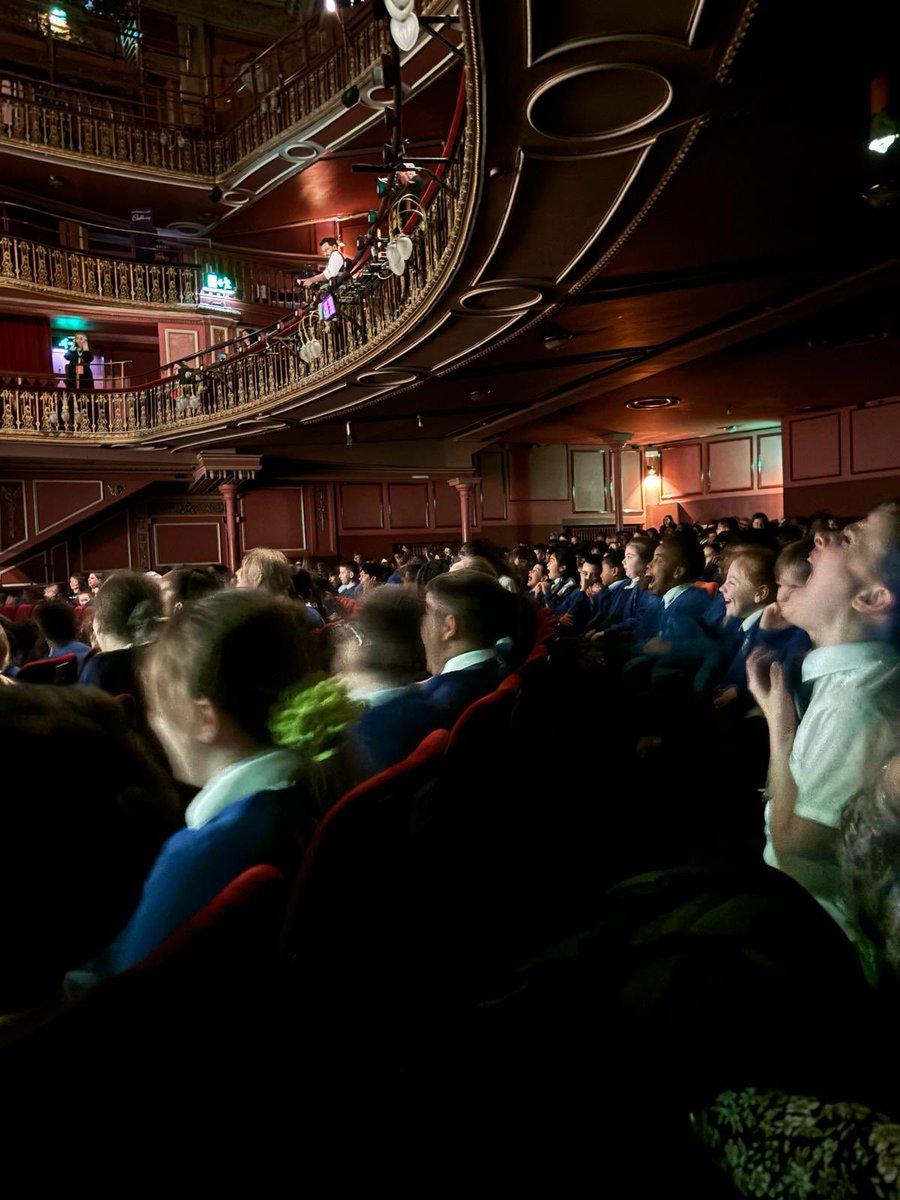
x: 466, y: 615
x: 785, y: 661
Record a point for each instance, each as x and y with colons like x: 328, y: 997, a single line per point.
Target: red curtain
x: 25, y: 346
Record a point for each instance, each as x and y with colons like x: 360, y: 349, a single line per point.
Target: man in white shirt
x: 334, y: 263
x: 818, y: 765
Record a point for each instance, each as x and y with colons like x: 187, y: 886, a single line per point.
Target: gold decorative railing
x: 370, y: 309
x: 65, y: 120
x: 31, y: 265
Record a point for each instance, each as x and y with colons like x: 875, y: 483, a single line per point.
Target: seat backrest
x: 485, y: 722
x: 710, y: 587
x: 363, y: 806
x: 61, y: 670
x: 349, y: 940
x: 23, y: 612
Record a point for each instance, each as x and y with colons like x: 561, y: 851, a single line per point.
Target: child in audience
x: 126, y: 613
x: 238, y: 700
x: 850, y: 700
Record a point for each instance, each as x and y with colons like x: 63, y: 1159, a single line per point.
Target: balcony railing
x: 60, y: 119
x: 372, y: 307
x: 28, y: 264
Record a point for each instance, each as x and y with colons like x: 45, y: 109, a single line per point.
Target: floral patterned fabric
x: 776, y: 1145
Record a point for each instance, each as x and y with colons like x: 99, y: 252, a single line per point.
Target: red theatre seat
x: 484, y: 726
x: 710, y: 588
x: 23, y: 612
x: 61, y: 670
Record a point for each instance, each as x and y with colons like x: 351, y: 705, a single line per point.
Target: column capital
x: 464, y: 484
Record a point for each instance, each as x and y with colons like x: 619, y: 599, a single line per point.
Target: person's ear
x: 207, y: 722
x: 763, y: 595
x: 451, y: 628
x: 679, y: 572
x: 875, y: 601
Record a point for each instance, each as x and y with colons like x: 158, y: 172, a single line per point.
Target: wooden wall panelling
x: 769, y: 461
x: 192, y: 543
x: 446, y: 506
x: 875, y: 439
x: 362, y: 507
x: 106, y: 546
x: 58, y: 562
x: 632, y: 482
x: 408, y: 506
x: 538, y: 473
x: 58, y: 500
x: 13, y: 514
x: 729, y: 465
x: 815, y: 447
x: 589, y: 484
x: 34, y: 569
x: 179, y: 341
x: 681, y: 471
x: 273, y: 517
x: 321, y: 525
x: 492, y: 469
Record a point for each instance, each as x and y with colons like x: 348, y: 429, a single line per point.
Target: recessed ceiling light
x: 654, y: 402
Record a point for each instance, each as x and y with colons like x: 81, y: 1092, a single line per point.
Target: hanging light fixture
x: 404, y: 23
x: 351, y: 436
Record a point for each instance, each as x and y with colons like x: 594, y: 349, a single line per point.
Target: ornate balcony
x: 70, y: 123
x: 375, y: 308
x: 31, y: 266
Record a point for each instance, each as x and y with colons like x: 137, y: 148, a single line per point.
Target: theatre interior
x: 600, y: 263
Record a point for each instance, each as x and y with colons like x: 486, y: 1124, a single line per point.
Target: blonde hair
x: 269, y: 570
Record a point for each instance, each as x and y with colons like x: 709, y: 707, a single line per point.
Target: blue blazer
x: 610, y: 605
x: 785, y: 644
x: 386, y: 733
x: 690, y: 623
x: 194, y: 865
x: 574, y: 604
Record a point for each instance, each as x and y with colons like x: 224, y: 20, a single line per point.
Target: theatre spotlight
x: 216, y: 194
x: 350, y: 98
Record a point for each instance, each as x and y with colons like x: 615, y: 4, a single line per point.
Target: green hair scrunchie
x: 311, y: 717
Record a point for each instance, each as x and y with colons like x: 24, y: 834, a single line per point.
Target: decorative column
x: 464, y: 488
x: 229, y: 492
x: 226, y: 471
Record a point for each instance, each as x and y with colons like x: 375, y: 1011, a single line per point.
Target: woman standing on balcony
x: 78, y: 356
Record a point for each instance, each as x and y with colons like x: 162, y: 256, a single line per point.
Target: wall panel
x: 106, y: 546
x: 632, y: 480
x: 875, y: 439
x: 492, y: 469
x: 589, y: 481
x: 769, y: 461
x: 446, y: 506
x: 361, y: 506
x: 815, y: 444
x: 729, y: 465
x: 273, y: 517
x: 408, y: 505
x: 191, y: 543
x: 539, y: 473
x: 680, y: 468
